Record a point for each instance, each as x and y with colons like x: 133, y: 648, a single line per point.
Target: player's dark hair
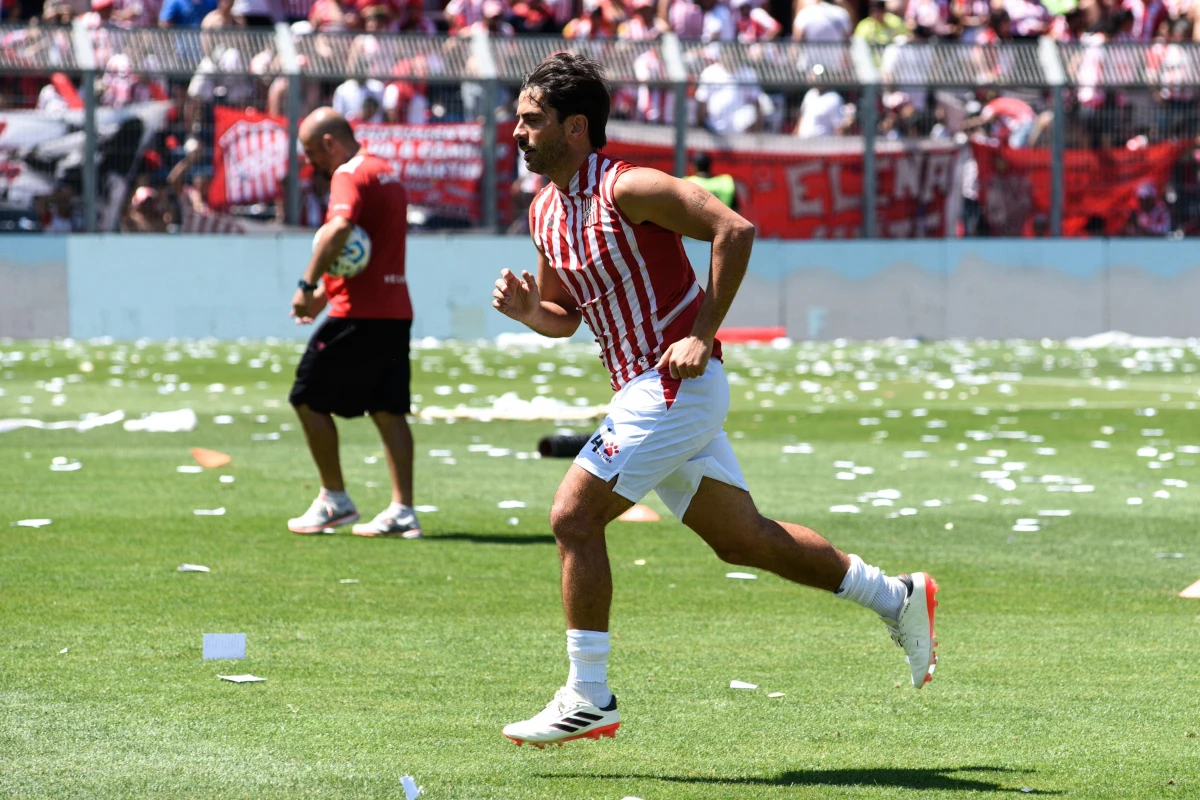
x: 572, y: 84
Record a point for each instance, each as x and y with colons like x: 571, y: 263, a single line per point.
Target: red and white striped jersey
x: 633, y: 283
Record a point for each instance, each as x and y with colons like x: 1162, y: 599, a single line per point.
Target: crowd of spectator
x: 726, y: 97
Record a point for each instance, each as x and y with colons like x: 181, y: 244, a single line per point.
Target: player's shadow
x: 493, y: 538
x: 930, y: 779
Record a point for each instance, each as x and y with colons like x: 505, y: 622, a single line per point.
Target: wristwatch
x: 308, y: 287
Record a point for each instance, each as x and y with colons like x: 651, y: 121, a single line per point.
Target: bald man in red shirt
x: 357, y: 361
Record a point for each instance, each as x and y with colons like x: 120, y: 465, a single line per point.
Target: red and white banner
x: 813, y: 190
x: 249, y: 158
x: 441, y: 164
x: 1099, y: 186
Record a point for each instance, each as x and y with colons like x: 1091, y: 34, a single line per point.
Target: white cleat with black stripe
x: 567, y: 717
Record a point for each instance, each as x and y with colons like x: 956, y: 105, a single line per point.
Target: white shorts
x: 665, y: 435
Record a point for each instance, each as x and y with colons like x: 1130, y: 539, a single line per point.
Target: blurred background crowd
x: 341, y: 37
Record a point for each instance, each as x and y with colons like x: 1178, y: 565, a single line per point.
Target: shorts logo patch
x: 605, y: 446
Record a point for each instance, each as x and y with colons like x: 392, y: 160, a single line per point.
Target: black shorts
x: 354, y: 367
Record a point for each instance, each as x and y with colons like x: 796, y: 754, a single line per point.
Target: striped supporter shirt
x: 633, y: 283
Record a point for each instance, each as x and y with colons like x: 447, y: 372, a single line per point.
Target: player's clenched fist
x: 515, y: 297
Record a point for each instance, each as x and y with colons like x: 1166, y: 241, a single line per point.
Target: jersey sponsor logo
x: 588, y: 214
x: 394, y: 279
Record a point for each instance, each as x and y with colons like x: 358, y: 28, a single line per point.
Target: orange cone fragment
x: 1192, y: 592
x: 210, y: 459
x: 639, y: 513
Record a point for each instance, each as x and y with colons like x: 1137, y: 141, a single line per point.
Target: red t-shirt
x: 368, y: 192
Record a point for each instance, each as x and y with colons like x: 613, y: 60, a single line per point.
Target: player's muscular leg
x: 322, y: 435
x: 727, y: 519
x: 583, y: 506
x: 398, y: 445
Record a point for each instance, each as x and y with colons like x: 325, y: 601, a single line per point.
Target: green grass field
x: 1069, y: 665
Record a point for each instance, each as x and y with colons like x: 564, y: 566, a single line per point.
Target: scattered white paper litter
x: 847, y: 509
x: 192, y: 568
x: 210, y: 512
x: 227, y: 479
x: 441, y: 453
x: 641, y: 562
x: 511, y: 504
x: 1133, y: 501
x: 741, y: 576
x: 164, y: 422
x: 1026, y: 528
x: 224, y: 645
x: 742, y: 685
x: 348, y: 580
x: 190, y: 470
x: 425, y: 509
x: 31, y: 523
x: 776, y: 694
x: 411, y: 790
x: 241, y: 678
x: 62, y: 464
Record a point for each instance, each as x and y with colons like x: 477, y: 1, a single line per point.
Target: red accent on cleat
x: 607, y: 732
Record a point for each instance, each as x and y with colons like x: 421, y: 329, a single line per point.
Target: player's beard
x: 548, y: 154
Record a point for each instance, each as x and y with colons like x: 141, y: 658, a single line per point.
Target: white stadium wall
x: 129, y: 287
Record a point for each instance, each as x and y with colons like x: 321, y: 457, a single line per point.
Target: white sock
x: 339, y: 499
x: 870, y: 588
x: 588, y: 652
x: 399, y: 510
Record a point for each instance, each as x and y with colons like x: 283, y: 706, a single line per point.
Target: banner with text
x: 441, y: 164
x: 813, y: 190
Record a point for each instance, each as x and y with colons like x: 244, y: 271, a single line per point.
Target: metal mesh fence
x: 822, y: 140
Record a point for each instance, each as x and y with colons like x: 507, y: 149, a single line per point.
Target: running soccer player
x: 357, y: 362
x: 610, y: 254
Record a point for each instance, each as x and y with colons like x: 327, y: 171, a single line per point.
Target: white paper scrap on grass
x: 31, y: 523
x: 1026, y: 528
x: 88, y: 422
x: 1054, y: 513
x: 189, y: 470
x: 192, y: 568
x: 224, y: 645
x: 241, y: 678
x: 425, y: 509
x: 411, y: 790
x: 776, y: 694
x: 210, y: 512
x: 846, y: 509
x: 227, y: 479
x: 61, y: 464
x: 511, y: 504
x: 742, y: 685
x: 741, y: 576
x: 164, y: 422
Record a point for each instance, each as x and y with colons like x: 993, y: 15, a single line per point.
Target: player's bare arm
x: 647, y: 195
x: 540, y: 303
x: 331, y: 239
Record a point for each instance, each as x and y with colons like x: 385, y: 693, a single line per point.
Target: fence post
x: 868, y: 76
x: 289, y: 63
x: 672, y: 55
x: 85, y: 58
x: 485, y: 62
x: 1056, y: 77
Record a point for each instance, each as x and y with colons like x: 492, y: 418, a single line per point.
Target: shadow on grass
x: 493, y: 538
x: 932, y: 779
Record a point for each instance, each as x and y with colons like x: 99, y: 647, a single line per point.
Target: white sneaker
x: 388, y: 524
x: 323, y: 515
x: 914, y: 629
x: 568, y: 716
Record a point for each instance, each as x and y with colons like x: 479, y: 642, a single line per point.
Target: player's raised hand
x: 515, y: 297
